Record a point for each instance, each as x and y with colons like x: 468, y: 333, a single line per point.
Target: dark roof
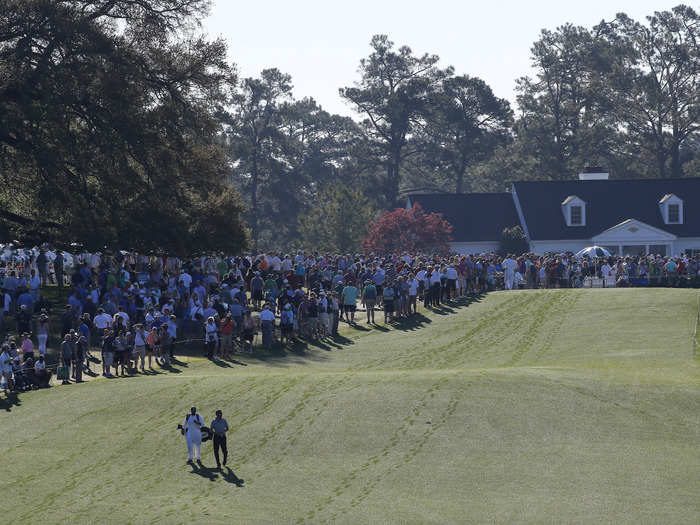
x: 608, y: 203
x: 473, y: 216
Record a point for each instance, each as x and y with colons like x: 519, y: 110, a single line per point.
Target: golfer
x: 193, y: 433
x: 219, y: 426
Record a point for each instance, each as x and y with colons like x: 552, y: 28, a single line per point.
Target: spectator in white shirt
x: 102, y: 320
x: 121, y: 313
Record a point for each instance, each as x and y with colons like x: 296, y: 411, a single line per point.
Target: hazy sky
x: 320, y: 42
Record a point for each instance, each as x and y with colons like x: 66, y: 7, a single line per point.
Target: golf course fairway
x: 541, y: 406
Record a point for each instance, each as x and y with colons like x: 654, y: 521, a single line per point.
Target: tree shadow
x: 11, y: 400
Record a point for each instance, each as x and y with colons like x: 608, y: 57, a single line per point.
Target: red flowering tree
x: 408, y: 230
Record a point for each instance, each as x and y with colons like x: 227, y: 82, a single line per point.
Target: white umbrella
x: 593, y: 251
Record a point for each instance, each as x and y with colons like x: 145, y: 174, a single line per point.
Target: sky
x: 320, y: 42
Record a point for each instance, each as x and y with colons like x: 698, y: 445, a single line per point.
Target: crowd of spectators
x: 134, y: 309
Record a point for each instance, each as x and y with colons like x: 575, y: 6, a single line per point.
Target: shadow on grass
x: 413, y: 322
x: 300, y: 351
x: 212, y: 474
x: 170, y: 368
x: 10, y: 400
x: 219, y: 362
x: 206, y: 472
x: 355, y: 326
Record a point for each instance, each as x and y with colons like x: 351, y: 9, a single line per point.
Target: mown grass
x: 537, y: 406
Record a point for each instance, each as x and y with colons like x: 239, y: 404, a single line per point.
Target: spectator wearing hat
x: 140, y: 341
x: 267, y: 325
x: 286, y: 323
x: 41, y: 373
x: 42, y: 332
x: 24, y: 319
x: 66, y: 320
x: 211, y: 336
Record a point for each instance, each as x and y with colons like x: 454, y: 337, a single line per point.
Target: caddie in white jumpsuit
x: 509, y: 265
x: 193, y: 433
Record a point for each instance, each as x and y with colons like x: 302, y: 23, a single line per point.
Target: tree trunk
x: 393, y: 180
x: 460, y: 176
x: 661, y: 161
x: 676, y: 160
x: 254, y: 203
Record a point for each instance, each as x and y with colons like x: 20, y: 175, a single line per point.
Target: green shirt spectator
x: 350, y: 295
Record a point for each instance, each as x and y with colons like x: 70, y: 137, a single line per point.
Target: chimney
x: 593, y: 173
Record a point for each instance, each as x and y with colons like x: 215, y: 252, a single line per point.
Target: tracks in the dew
x: 404, y: 444
x: 540, y: 321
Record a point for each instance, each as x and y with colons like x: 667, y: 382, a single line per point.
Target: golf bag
x: 207, y: 433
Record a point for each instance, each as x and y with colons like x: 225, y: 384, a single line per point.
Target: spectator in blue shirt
x: 25, y: 299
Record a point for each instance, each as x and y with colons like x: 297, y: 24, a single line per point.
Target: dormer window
x: 574, y: 211
x: 576, y: 215
x: 674, y: 213
x: 671, y: 208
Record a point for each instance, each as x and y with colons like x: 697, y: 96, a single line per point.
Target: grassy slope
x: 556, y: 405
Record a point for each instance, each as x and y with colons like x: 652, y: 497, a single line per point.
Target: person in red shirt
x: 227, y: 325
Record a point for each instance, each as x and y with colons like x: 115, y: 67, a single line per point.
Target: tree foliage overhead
x: 108, y: 133
x: 122, y: 126
x: 624, y: 94
x: 655, y: 83
x: 564, y: 119
x: 465, y: 124
x: 393, y: 95
x: 285, y: 152
x: 338, y: 222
